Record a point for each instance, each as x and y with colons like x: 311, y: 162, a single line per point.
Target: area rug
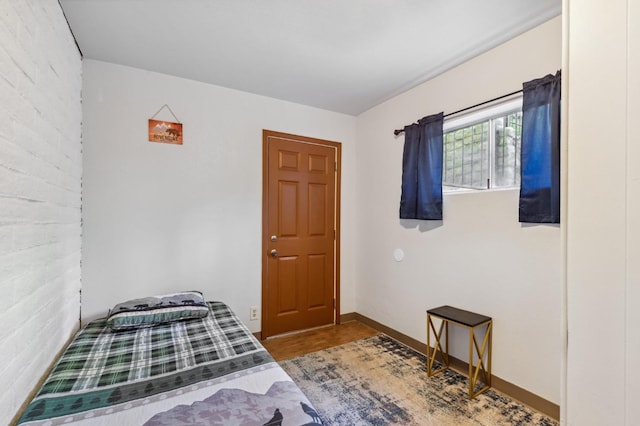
x: 379, y: 381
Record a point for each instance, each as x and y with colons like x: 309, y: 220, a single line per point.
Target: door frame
x: 266, y: 134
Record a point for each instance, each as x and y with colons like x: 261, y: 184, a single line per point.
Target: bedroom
x: 137, y: 213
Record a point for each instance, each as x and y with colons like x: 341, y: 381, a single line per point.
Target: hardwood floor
x: 297, y: 344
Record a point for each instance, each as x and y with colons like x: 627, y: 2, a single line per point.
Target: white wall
x: 632, y: 219
x: 161, y: 218
x: 603, y: 227
x: 40, y: 184
x: 480, y: 258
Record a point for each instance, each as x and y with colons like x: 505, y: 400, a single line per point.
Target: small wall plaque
x: 165, y: 131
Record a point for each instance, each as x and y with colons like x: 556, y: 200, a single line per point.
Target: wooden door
x: 300, y: 233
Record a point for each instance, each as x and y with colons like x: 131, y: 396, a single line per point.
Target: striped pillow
x: 153, y: 310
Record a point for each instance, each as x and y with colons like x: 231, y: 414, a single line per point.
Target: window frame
x: 487, y: 114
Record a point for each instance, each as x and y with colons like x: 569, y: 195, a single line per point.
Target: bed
x: 208, y: 370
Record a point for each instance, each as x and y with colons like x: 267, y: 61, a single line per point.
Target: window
x: 482, y: 150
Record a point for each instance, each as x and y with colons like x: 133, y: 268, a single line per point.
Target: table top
x: 470, y: 319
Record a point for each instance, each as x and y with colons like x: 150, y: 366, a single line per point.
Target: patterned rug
x: 379, y: 381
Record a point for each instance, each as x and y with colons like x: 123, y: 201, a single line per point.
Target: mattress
x: 209, y: 371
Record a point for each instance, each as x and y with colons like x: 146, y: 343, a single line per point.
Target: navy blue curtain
x: 422, y: 170
x: 540, y: 161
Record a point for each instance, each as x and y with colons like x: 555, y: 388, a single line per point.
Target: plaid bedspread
x: 101, y: 368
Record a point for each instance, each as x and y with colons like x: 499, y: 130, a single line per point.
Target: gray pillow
x: 153, y: 310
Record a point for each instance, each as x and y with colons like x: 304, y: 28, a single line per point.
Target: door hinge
x: 335, y: 166
x: 334, y: 303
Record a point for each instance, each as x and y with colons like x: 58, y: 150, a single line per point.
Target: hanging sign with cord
x: 165, y: 131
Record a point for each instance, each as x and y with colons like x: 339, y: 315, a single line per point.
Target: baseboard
x: 352, y: 316
x: 532, y: 400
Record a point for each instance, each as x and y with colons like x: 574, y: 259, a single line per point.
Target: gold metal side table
x: 470, y: 320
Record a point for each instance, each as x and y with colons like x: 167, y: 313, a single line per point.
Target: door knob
x: 274, y: 253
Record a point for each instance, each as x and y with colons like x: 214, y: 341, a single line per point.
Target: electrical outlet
x: 253, y: 313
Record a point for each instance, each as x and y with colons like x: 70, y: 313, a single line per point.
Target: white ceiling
x: 341, y: 55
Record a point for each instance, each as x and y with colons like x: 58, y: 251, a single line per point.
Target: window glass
x: 482, y: 151
x: 508, y: 136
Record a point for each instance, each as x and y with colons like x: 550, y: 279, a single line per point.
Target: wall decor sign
x: 165, y: 131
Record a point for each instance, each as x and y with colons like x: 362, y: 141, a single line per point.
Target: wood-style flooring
x: 298, y: 344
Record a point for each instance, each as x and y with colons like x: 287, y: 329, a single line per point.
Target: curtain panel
x: 422, y: 170
x: 540, y: 154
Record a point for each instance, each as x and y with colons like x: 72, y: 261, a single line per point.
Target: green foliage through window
x: 484, y: 155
